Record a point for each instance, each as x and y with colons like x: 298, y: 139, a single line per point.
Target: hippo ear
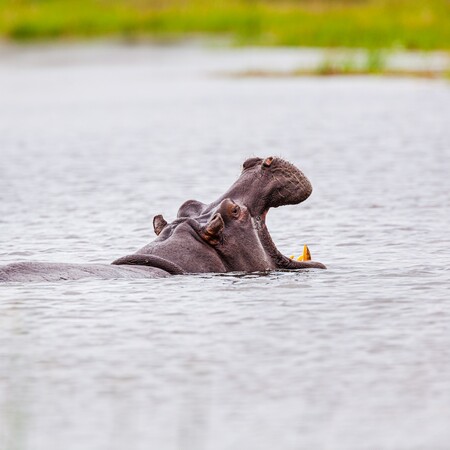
x: 191, y: 208
x: 158, y: 224
x: 212, y: 231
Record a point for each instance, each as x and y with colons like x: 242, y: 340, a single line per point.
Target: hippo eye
x: 235, y: 211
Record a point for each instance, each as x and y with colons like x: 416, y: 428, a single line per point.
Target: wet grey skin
x: 227, y: 235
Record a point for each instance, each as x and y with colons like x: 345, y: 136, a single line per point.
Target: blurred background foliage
x: 371, y: 24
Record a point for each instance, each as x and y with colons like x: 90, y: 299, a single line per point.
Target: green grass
x: 349, y: 63
x: 409, y: 24
x: 373, y: 64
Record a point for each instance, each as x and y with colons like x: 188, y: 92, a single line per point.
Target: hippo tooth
x: 306, y: 256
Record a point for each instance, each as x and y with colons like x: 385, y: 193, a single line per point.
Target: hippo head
x: 230, y: 234
x: 263, y: 184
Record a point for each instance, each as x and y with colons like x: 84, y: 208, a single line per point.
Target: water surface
x: 94, y: 143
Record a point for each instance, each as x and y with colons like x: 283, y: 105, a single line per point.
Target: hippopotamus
x: 226, y: 235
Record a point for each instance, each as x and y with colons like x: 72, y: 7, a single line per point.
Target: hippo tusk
x: 306, y: 256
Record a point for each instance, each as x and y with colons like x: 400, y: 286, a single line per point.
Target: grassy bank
x: 409, y: 24
x: 350, y: 63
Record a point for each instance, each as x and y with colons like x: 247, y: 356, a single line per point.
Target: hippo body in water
x: 227, y: 235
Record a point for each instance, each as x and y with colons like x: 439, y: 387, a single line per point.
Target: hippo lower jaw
x: 279, y: 260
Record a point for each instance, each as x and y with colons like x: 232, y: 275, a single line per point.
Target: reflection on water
x: 354, y: 357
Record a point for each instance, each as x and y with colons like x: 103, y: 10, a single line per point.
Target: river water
x: 94, y: 141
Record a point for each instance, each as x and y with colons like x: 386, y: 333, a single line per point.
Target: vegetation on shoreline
x: 339, y: 71
x: 371, y: 62
x: 408, y: 24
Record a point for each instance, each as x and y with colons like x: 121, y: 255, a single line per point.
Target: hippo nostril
x: 268, y: 161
